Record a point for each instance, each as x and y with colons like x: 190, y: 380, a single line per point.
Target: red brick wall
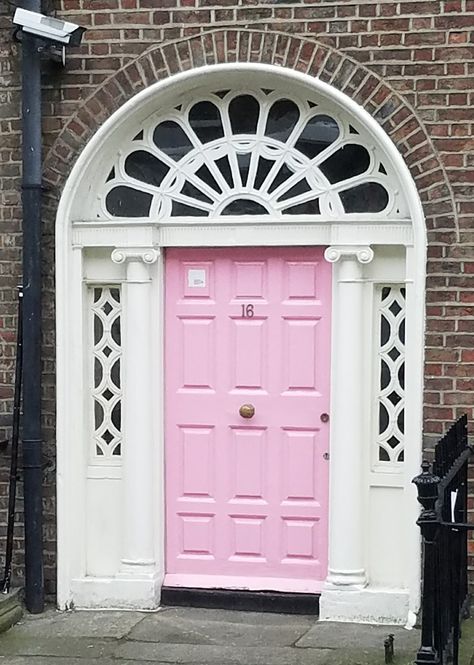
x: 411, y: 64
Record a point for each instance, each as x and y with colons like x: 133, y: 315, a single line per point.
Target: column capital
x: 363, y: 253
x: 147, y: 255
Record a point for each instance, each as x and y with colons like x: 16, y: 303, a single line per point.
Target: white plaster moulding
x: 364, y: 254
x: 148, y: 255
x: 93, y: 234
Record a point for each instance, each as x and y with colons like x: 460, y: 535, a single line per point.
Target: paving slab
x: 221, y: 627
x: 331, y: 635
x: 190, y: 654
x: 51, y: 645
x: 108, y: 623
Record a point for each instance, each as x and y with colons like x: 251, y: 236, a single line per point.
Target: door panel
x: 247, y: 499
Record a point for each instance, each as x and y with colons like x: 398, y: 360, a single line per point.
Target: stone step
x: 11, y: 608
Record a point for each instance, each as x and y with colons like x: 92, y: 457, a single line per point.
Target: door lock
x: 324, y: 417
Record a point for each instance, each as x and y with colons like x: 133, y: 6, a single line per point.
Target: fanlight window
x: 242, y: 153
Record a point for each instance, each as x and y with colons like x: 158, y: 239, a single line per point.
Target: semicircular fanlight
x: 248, y: 153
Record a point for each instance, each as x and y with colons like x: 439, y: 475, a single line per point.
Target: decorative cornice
x: 146, y: 254
x: 363, y: 253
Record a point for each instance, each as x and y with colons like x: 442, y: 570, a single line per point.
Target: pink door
x: 247, y: 497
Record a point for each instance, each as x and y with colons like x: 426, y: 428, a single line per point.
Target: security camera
x: 48, y: 28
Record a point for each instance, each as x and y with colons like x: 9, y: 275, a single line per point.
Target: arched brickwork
x: 394, y: 114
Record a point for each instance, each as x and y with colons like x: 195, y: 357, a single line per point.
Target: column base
x: 137, y: 569
x: 346, y: 580
x: 122, y: 592
x: 369, y: 605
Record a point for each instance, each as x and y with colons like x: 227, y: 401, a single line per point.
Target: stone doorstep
x: 11, y: 608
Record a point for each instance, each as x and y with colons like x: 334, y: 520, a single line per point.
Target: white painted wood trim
x: 223, y: 234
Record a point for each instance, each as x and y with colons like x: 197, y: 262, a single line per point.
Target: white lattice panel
x: 106, y: 370
x: 391, y: 374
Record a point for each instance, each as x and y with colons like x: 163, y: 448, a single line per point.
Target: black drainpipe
x: 31, y: 201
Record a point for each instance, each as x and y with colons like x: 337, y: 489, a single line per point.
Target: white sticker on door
x: 196, y: 278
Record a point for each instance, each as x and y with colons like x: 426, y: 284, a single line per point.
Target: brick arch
x: 398, y: 119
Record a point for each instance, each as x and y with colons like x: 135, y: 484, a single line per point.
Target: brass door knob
x: 247, y: 410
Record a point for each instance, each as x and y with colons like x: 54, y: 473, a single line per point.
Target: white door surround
x: 110, y: 507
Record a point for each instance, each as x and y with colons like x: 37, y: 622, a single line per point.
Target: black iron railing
x: 442, y: 491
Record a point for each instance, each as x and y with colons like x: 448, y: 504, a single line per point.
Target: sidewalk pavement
x: 191, y: 636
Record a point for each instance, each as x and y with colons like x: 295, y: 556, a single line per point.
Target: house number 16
x: 247, y: 311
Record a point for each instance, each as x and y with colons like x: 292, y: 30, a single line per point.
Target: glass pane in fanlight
x: 282, y: 118
x: 244, y: 166
x: 245, y: 207
x: 307, y: 208
x: 347, y: 162
x: 367, y: 197
x: 193, y: 192
x: 124, y: 201
x: 243, y: 112
x: 206, y: 176
x: 144, y: 166
x: 205, y: 120
x: 179, y: 209
x: 172, y: 140
x: 320, y: 132
x: 299, y: 188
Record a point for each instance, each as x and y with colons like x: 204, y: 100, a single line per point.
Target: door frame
x: 254, y: 581
x: 93, y: 252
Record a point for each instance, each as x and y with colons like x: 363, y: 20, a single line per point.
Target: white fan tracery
x: 249, y: 153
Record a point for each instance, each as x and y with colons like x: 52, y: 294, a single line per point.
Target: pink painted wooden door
x: 247, y: 499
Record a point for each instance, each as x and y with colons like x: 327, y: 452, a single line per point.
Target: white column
x: 138, y: 556
x: 346, y: 508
